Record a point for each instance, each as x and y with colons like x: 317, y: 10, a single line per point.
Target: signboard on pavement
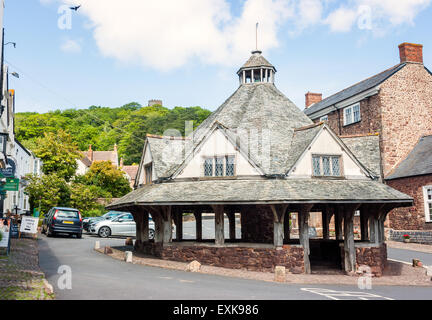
x: 4, y: 229
x: 29, y: 225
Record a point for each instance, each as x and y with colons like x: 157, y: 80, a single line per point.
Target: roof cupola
x: 256, y: 70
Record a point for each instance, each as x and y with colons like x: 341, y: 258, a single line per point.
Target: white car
x: 123, y: 225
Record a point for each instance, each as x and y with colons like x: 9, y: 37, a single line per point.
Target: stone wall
x: 417, y: 236
x: 374, y: 257
x: 254, y: 259
x: 410, y: 218
x: 406, y: 113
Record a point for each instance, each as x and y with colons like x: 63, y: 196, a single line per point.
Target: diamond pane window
x: 326, y: 166
x: 335, y: 166
x: 230, y: 166
x: 316, y: 166
x: 219, y: 167
x: 208, y: 167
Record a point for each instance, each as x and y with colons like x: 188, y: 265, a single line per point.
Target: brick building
x: 396, y: 106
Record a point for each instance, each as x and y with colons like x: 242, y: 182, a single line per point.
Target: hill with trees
x: 103, y: 127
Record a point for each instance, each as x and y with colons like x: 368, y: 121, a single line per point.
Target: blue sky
x: 188, y: 55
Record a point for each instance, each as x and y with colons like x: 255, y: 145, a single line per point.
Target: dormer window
x: 326, y: 166
x: 219, y: 166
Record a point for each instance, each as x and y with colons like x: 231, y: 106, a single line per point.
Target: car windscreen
x: 66, y: 214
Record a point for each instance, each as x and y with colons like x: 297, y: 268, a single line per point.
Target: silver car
x: 123, y: 225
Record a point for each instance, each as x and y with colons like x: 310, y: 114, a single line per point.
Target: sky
x: 187, y: 52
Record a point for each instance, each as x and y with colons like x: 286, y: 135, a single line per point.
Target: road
x: 96, y: 276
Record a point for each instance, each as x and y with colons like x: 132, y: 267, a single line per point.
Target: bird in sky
x: 75, y: 8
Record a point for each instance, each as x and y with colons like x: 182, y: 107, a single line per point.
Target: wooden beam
x: 287, y: 228
x: 278, y: 223
x: 326, y: 217
x: 232, y: 226
x: 198, y: 225
x: 167, y: 223
x: 349, y: 244
x: 339, y: 223
x: 303, y: 214
x: 219, y: 224
x: 364, y: 219
x: 179, y: 225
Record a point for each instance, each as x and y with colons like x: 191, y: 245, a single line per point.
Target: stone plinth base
x: 254, y: 257
x: 373, y: 257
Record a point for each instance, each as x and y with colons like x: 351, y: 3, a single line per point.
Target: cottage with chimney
x: 393, y: 110
x: 91, y: 156
x: 260, y: 156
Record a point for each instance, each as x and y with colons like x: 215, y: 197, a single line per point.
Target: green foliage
x: 47, y: 191
x: 58, y: 153
x: 103, y: 127
x: 104, y: 176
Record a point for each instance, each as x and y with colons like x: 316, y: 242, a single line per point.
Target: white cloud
x: 166, y: 34
x: 341, y: 20
x: 71, y: 46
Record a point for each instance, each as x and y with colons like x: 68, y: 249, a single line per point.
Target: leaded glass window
x: 326, y: 166
x: 219, y: 166
x: 208, y: 167
x: 229, y: 166
x: 335, y: 166
x: 317, y: 166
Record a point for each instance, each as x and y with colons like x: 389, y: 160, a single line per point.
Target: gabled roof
x: 358, y: 88
x: 167, y: 153
x: 305, y: 137
x: 131, y: 171
x: 366, y: 149
x: 257, y: 108
x: 105, y: 156
x: 418, y: 162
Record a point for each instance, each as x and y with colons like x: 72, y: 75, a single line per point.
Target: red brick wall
x: 411, y: 218
x: 370, y: 110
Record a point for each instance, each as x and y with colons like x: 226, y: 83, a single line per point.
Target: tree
x: 84, y: 198
x: 58, y: 153
x: 108, y: 178
x: 47, y: 191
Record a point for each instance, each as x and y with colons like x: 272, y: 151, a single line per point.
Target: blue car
x: 63, y: 220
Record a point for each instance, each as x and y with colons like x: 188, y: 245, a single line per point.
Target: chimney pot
x: 312, y: 98
x: 411, y: 52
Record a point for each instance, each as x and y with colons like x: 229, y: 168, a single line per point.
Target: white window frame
x: 324, y: 118
x: 427, y: 203
x: 350, y: 120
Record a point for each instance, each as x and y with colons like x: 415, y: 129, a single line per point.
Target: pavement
x: 97, y: 276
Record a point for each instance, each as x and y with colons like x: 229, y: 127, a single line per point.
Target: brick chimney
x: 312, y: 98
x: 411, y: 52
x: 90, y: 153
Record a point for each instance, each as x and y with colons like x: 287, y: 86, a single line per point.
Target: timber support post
x: 287, y: 227
x: 364, y: 220
x: 326, y: 217
x: 338, y: 223
x: 303, y: 214
x: 278, y: 223
x: 198, y: 225
x: 349, y: 244
x: 219, y: 224
x: 179, y: 225
x: 232, y: 226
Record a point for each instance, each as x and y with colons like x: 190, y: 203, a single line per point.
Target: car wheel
x: 79, y: 235
x: 48, y: 232
x: 151, y: 234
x: 104, y: 232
